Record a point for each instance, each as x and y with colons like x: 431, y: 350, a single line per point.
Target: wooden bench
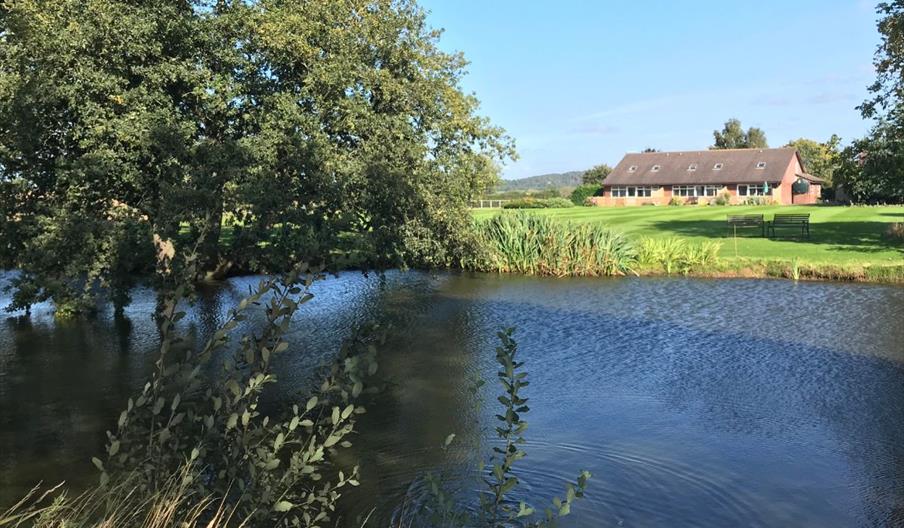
x: 795, y: 221
x: 736, y: 221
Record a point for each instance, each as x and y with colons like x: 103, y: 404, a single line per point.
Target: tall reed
x: 537, y: 245
x: 123, y: 504
x: 676, y: 255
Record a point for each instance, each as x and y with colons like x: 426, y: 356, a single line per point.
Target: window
x: 692, y: 167
x: 632, y: 192
x: 717, y: 166
x: 632, y: 168
x: 692, y: 191
x: 684, y: 190
x: 761, y: 165
x: 655, y: 168
x: 750, y: 190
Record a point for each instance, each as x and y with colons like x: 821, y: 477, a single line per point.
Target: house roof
x: 810, y: 178
x: 677, y: 168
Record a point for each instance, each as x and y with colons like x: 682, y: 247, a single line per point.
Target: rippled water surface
x: 693, y: 402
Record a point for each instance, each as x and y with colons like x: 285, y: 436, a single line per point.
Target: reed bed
x: 676, y: 255
x: 538, y: 245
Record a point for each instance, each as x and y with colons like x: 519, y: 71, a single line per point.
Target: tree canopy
x: 873, y: 167
x: 820, y: 159
x: 733, y: 136
x: 291, y: 123
x: 596, y: 175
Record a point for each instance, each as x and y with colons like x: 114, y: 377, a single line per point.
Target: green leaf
x: 283, y: 506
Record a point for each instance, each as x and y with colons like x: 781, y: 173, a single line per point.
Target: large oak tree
x: 294, y: 123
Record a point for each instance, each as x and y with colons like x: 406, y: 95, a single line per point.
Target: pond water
x: 692, y: 402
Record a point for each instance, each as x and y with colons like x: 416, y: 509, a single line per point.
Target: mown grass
x: 850, y: 237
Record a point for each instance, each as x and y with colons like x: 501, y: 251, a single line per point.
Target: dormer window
x: 761, y: 165
x: 655, y: 168
x: 717, y: 166
x: 632, y: 168
x: 692, y: 167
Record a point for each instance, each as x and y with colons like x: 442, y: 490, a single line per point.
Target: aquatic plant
x: 537, y: 245
x: 677, y: 255
x: 446, y: 508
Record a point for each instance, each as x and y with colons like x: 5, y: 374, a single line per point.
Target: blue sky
x: 578, y: 83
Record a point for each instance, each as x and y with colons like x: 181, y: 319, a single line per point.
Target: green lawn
x: 839, y: 235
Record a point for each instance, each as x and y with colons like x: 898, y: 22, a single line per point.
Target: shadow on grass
x: 863, y: 237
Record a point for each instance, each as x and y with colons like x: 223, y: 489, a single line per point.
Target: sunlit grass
x: 839, y: 235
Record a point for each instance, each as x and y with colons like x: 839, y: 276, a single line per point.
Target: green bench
x: 736, y: 221
x: 800, y: 223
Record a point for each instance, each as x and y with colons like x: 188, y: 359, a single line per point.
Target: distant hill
x: 543, y: 181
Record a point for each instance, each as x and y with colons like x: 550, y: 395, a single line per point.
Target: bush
x: 759, y: 200
x: 558, y: 203
x: 722, y: 199
x: 538, y: 245
x: 272, y: 469
x: 581, y: 193
x: 676, y: 201
x: 534, y: 203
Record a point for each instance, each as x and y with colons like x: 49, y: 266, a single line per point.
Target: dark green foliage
x: 886, y: 102
x: 872, y: 168
x: 733, y: 136
x: 194, y: 115
x: 272, y: 467
x: 596, y: 175
x: 580, y: 195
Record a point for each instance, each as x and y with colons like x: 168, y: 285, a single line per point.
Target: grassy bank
x: 846, y: 243
x: 839, y: 235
